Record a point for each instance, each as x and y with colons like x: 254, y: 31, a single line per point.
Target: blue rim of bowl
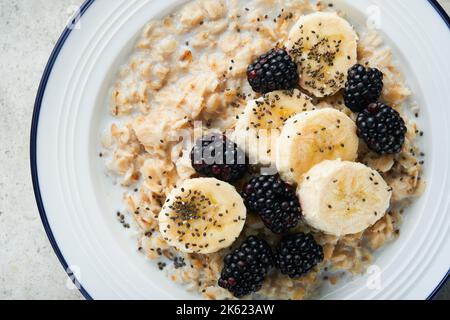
x: 33, y: 142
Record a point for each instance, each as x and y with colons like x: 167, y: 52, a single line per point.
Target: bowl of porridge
x: 227, y: 149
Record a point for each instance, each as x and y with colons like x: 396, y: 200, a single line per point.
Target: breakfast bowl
x: 134, y: 90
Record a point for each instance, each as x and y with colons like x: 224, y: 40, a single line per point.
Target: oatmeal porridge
x: 263, y: 146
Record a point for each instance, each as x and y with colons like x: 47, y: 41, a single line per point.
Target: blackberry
x: 245, y: 268
x: 216, y: 156
x: 363, y: 87
x: 382, y: 128
x: 272, y: 71
x: 297, y: 254
x: 274, y: 201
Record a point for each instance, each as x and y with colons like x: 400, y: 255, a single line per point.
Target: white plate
x: 78, y: 206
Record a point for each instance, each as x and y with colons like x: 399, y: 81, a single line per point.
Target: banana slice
x: 203, y: 215
x: 324, y: 46
x: 311, y: 137
x: 341, y: 197
x: 259, y: 127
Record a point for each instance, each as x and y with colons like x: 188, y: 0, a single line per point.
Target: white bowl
x: 78, y: 204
